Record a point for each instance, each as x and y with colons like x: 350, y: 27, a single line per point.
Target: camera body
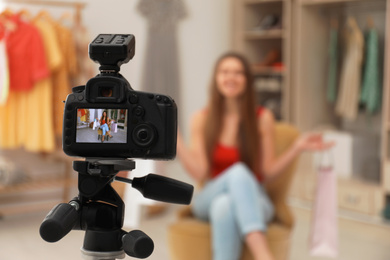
x: 142, y: 125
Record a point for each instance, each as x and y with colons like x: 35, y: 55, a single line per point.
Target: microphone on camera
x: 162, y: 188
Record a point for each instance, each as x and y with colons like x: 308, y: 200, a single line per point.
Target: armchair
x: 190, y: 238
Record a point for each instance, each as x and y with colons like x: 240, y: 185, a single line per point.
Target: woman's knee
x: 221, y: 207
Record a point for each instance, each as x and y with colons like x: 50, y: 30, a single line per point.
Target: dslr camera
x: 136, y: 124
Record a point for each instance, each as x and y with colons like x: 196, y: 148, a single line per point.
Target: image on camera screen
x: 101, y: 125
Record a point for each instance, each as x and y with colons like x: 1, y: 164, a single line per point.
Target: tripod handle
x: 137, y: 244
x: 59, y: 222
x: 164, y: 189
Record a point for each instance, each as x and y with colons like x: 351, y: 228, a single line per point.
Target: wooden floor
x: 20, y: 240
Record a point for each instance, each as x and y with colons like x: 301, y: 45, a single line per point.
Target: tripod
x: 99, y: 210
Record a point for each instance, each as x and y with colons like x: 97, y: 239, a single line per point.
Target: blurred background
x: 320, y: 65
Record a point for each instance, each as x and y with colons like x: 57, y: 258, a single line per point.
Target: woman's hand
x: 312, y: 142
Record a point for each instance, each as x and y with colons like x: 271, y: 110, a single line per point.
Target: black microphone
x: 162, y: 188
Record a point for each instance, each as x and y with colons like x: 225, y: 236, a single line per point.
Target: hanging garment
x: 371, y: 85
x: 26, y: 56
x: 331, y: 93
x: 161, y: 65
x: 40, y: 138
x: 4, y: 73
x: 62, y: 77
x: 27, y: 65
x: 349, y: 91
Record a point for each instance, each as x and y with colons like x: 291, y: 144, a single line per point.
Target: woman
x: 232, y: 153
x: 104, y: 121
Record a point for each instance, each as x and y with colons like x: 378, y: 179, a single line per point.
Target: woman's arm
x: 272, y: 165
x: 194, y: 157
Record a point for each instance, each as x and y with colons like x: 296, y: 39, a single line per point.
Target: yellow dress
x: 16, y: 113
x: 39, y: 100
x: 62, y: 76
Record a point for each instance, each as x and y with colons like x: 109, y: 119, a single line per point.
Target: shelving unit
x: 311, y: 110
x: 259, y: 43
x: 302, y: 40
x: 41, y: 193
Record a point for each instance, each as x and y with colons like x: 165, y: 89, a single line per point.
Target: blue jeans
x: 235, y: 204
x: 104, y: 128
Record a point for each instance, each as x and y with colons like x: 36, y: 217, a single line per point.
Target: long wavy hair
x: 248, y: 136
x: 104, y: 117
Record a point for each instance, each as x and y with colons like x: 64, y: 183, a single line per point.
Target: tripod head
x: 99, y: 210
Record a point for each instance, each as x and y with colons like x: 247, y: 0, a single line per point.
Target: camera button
x: 68, y: 132
x: 139, y: 111
x: 80, y: 97
x: 158, y: 98
x: 68, y: 141
x: 133, y: 99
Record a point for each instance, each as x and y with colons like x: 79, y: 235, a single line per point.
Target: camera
x: 106, y: 118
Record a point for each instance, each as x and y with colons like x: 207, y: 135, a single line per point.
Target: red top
x: 103, y: 121
x: 225, y: 156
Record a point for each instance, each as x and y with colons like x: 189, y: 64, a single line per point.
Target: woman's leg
x: 250, y: 203
x: 253, y: 211
x: 105, y: 129
x: 226, y: 239
x: 257, y: 244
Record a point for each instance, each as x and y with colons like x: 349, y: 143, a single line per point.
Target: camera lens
x: 105, y: 92
x: 144, y: 135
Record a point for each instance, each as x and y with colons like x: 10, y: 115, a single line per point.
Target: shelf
x: 322, y: 2
x: 250, y: 2
x: 269, y: 91
x: 37, y: 185
x: 266, y: 34
x: 267, y: 71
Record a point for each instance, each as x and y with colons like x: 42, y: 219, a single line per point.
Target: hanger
x: 43, y: 14
x: 7, y: 13
x: 6, y: 22
x: 334, y: 23
x: 66, y: 17
x: 24, y: 13
x: 370, y: 22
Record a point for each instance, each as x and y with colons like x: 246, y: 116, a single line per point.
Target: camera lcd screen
x: 99, y: 125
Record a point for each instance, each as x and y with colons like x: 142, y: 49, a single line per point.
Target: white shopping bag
x: 324, y: 229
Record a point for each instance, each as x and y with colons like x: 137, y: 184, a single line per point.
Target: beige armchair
x: 189, y: 238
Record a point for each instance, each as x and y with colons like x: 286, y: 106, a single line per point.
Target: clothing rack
x: 337, y: 2
x: 21, y: 203
x: 358, y: 6
x: 78, y: 5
